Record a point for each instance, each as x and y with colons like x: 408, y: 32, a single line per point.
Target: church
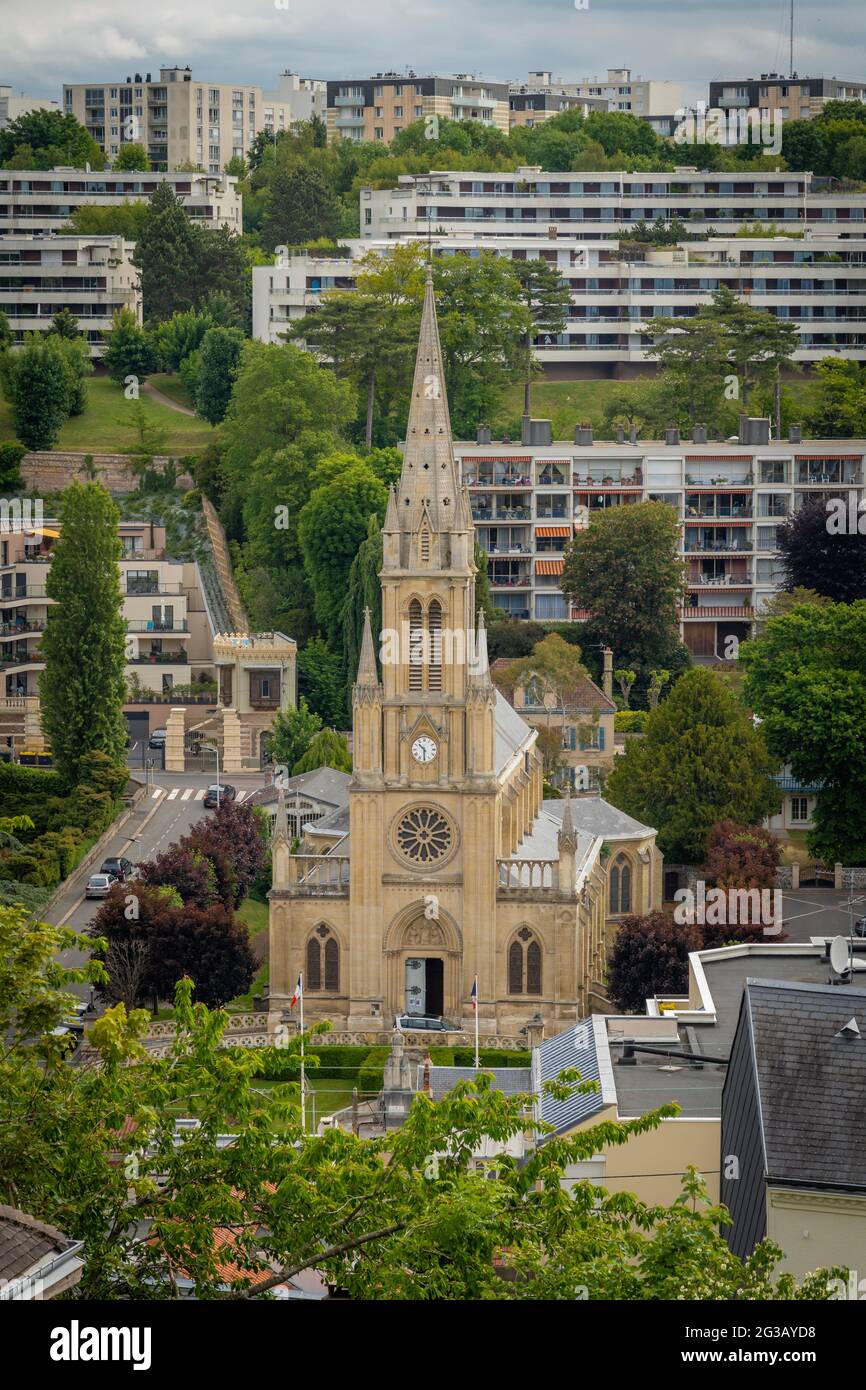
x: 441, y: 861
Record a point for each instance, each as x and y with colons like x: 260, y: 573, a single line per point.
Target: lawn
x: 105, y: 426
x: 172, y: 386
x: 570, y: 403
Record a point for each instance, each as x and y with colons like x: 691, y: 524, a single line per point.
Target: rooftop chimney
x: 795, y: 434
x: 754, y: 429
x: 632, y: 436
x: 583, y: 436
x: 699, y: 434
x: 620, y: 434
x: 672, y: 436
x: 483, y: 435
x: 538, y: 433
x: 607, y: 678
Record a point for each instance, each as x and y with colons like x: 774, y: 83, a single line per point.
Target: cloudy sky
x: 47, y: 42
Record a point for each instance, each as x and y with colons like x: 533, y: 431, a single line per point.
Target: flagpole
x: 303, y: 1078
x: 477, y: 1058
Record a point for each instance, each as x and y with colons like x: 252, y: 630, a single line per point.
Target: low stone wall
x: 52, y: 472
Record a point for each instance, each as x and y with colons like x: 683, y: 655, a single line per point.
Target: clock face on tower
x: 424, y: 749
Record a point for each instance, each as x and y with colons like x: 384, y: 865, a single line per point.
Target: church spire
x: 429, y: 470
x: 281, y: 822
x: 567, y: 836
x: 367, y: 672
x: 479, y: 669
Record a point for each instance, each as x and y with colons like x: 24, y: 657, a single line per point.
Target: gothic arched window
x: 524, y: 964
x: 323, y: 940
x: 515, y: 968
x: 416, y: 646
x: 620, y: 886
x: 434, y: 631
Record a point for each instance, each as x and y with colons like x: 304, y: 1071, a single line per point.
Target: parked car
x: 119, y: 869
x: 422, y: 1023
x: 98, y: 886
x: 860, y: 927
x: 216, y: 795
x: 157, y: 738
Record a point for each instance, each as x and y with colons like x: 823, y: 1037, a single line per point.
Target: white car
x: 98, y: 886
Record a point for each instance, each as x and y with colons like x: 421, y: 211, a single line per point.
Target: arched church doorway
x: 425, y: 986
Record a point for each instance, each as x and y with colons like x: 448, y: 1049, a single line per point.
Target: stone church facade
x: 445, y: 861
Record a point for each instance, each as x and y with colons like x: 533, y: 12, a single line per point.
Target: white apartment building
x: 14, y: 104
x: 183, y: 120
x: 530, y: 203
x: 169, y: 640
x: 92, y: 276
x: 617, y: 289
x: 529, y: 499
x: 43, y: 200
x: 637, y: 96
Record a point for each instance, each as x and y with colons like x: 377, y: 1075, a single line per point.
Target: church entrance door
x: 425, y: 986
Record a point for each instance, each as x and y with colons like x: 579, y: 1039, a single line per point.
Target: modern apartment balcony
x: 33, y: 593
x: 173, y: 625
x: 734, y: 612
x: 714, y: 547
x: 10, y: 631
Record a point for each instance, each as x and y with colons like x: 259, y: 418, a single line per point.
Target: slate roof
x: 512, y: 732
x: 811, y: 1083
x: 26, y: 1242
x: 322, y: 784
x: 512, y: 1081
x: 595, y: 816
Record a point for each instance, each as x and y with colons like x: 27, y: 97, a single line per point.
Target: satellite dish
x: 839, y: 955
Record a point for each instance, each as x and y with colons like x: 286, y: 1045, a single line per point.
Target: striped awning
x: 549, y: 566
x: 553, y: 531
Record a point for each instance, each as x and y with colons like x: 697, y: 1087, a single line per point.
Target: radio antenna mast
x: 791, y: 67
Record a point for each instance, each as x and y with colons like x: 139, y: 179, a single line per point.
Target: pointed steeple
x: 391, y: 521
x: 479, y: 669
x: 429, y: 469
x: 281, y: 821
x: 367, y: 671
x: 567, y: 838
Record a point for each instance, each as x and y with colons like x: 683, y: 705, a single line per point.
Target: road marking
x: 241, y: 795
x: 157, y: 791
x: 199, y: 796
x: 128, y: 843
x: 173, y: 793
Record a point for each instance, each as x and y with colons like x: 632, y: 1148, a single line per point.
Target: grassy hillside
x: 105, y: 426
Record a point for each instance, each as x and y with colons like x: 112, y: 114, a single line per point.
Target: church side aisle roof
x: 595, y: 816
x: 512, y: 732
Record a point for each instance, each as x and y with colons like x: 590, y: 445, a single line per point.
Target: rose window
x: 424, y: 835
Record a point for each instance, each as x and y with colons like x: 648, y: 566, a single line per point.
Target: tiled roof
x: 811, y: 1081
x: 24, y: 1242
x: 585, y: 696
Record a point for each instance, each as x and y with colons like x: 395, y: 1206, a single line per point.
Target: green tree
x: 65, y: 324
x: 132, y: 157
x: 547, y: 299
x: 220, y: 354
x: 124, y: 219
x: 320, y: 673
x: 166, y: 256
x: 75, y: 356
x: 625, y: 568
x: 332, y: 526
x: 292, y: 732
x: 755, y: 343
x: 303, y: 206
x: 821, y: 550
x: 327, y: 749
x: 838, y: 408
x: 5, y: 332
x: 83, y: 686
x: 806, y: 678
x: 88, y: 1149
x: 37, y: 383
x: 129, y: 349
x: 178, y: 336
x: 363, y: 590
x: 700, y: 761
x: 51, y: 138
x: 553, y: 675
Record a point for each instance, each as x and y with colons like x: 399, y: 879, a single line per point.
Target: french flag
x: 473, y: 997
x: 297, y: 994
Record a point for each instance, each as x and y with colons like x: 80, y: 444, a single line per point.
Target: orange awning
x: 550, y: 531
x: 549, y: 566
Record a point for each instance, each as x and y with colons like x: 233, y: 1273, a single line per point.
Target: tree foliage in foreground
x: 93, y: 1150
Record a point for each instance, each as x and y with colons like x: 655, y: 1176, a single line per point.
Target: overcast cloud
x: 46, y: 42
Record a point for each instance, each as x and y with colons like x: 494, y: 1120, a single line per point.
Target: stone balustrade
x: 318, y: 873
x: 528, y: 875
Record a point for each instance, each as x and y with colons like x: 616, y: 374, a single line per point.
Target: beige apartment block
x: 91, y: 276
x: 380, y: 107
x: 793, y: 98
x: 632, y: 94
x: 14, y: 104
x: 181, y: 120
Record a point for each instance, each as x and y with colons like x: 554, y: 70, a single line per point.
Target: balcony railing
x: 157, y: 625
x: 740, y: 612
x: 319, y: 873
x: 528, y: 875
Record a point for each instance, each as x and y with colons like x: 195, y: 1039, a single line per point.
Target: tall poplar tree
x: 83, y: 686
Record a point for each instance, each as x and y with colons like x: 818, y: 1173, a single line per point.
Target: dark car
x: 119, y: 869
x: 216, y: 795
x: 157, y: 738
x: 860, y: 927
